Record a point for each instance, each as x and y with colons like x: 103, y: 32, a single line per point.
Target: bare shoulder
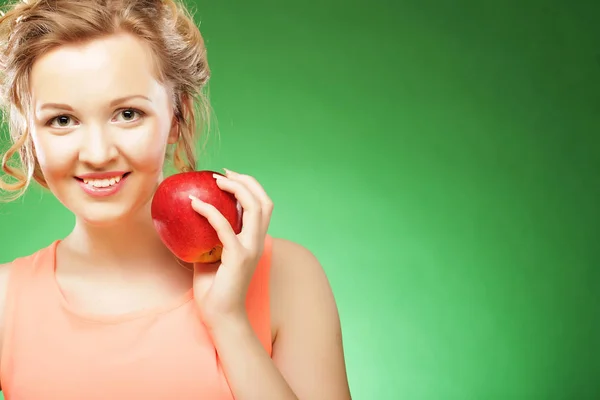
x: 307, y: 346
x: 295, y: 272
x: 4, y: 275
x: 288, y: 256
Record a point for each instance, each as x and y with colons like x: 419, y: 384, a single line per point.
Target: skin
x: 113, y: 239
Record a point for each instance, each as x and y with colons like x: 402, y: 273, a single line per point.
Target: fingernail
x: 193, y: 198
x: 217, y: 176
x: 228, y: 172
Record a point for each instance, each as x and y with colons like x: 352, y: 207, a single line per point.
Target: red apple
x: 185, y: 232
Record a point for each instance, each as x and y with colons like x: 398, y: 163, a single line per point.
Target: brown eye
x: 128, y: 115
x: 61, y: 121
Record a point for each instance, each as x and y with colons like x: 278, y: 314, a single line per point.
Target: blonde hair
x: 30, y: 28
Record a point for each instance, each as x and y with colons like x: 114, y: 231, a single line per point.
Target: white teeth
x: 102, y: 183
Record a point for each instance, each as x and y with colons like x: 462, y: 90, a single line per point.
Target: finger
x: 252, y: 214
x: 257, y: 189
x: 223, y: 228
x: 254, y: 186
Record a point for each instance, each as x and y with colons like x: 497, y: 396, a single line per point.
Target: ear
x: 174, y: 132
x: 185, y: 108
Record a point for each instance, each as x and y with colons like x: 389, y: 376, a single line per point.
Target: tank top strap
x: 22, y: 276
x: 258, y: 298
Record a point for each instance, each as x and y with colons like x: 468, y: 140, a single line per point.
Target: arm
x: 250, y: 372
x: 308, y: 347
x: 4, y: 274
x: 308, y: 360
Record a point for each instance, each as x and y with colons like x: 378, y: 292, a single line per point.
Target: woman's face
x: 100, y: 124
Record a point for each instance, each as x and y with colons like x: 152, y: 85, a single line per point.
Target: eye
x: 61, y: 121
x: 128, y: 115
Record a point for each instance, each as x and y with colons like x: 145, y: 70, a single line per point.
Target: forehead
x: 103, y: 68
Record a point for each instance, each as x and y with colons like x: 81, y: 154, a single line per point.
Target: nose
x: 97, y: 148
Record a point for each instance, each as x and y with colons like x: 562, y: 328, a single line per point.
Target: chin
x: 104, y: 215
x: 129, y: 204
x: 111, y: 213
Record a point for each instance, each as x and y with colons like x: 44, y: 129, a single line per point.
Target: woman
x: 97, y: 94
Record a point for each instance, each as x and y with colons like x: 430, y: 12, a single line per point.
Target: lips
x: 105, y: 182
x: 101, y: 175
x: 102, y: 184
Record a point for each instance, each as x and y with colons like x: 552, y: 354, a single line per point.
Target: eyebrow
x: 113, y: 103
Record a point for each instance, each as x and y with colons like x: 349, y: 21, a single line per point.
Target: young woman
x: 97, y: 94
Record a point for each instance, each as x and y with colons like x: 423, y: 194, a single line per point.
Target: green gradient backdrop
x: 441, y: 159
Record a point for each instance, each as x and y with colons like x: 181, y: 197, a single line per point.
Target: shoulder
x: 23, y: 267
x: 294, y: 268
x: 307, y: 339
x: 295, y: 273
x: 4, y: 276
x: 286, y: 252
x: 5, y: 272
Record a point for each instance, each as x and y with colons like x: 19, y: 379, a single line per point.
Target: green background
x: 441, y: 159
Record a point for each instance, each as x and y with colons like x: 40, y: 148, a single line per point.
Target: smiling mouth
x: 105, y: 182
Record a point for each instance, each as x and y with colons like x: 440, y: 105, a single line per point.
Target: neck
x: 132, y: 241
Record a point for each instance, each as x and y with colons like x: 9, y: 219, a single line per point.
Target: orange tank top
x: 52, y: 352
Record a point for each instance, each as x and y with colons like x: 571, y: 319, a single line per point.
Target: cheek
x: 55, y: 154
x: 145, y: 149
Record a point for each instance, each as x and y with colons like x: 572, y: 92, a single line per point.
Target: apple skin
x: 187, y: 234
